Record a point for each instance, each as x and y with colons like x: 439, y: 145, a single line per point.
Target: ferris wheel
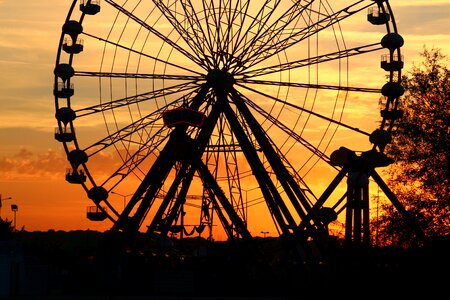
x: 239, y: 116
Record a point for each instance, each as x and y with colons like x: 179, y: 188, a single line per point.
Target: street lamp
x: 124, y: 198
x: 1, y: 203
x: 14, y: 208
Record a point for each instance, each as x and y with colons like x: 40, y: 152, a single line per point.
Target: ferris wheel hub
x: 220, y: 80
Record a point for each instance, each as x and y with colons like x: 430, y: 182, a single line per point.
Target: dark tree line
x: 421, y: 148
x: 6, y: 230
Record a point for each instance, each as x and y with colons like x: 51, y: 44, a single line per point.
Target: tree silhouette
x: 421, y: 148
x: 6, y: 230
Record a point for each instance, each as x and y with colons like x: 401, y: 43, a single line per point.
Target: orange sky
x: 33, y: 164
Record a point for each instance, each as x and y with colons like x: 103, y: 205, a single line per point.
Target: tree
x: 420, y: 148
x: 6, y: 230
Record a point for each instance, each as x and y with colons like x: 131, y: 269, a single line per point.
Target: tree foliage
x: 421, y: 147
x: 6, y: 229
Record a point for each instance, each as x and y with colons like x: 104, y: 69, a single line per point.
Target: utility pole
x: 14, y: 208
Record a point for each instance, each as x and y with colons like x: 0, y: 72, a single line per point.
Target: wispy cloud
x: 25, y: 164
x: 410, y: 3
x: 429, y: 19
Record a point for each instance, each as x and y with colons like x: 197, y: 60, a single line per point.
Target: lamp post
x: 14, y: 208
x: 124, y: 198
x: 1, y: 202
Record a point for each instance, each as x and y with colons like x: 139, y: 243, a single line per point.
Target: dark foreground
x: 88, y: 265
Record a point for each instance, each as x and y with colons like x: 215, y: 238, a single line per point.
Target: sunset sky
x: 33, y: 164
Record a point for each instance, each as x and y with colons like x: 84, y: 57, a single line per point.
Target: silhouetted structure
x: 226, y: 116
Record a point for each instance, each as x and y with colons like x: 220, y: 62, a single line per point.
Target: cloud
x: 29, y: 38
x: 429, y: 19
x: 49, y: 165
x: 25, y: 165
x: 409, y: 3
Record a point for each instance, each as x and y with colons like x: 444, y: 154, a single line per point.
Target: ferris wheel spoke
x: 266, y: 70
x: 186, y: 23
x: 268, y: 34
x: 128, y: 132
x: 223, y: 34
x: 208, y: 17
x: 300, y: 33
x: 154, y: 31
x: 149, y: 126
x: 134, y: 160
x: 290, y: 104
x: 138, y: 76
x: 243, y: 36
x: 147, y: 96
x: 142, y: 54
x: 310, y: 85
